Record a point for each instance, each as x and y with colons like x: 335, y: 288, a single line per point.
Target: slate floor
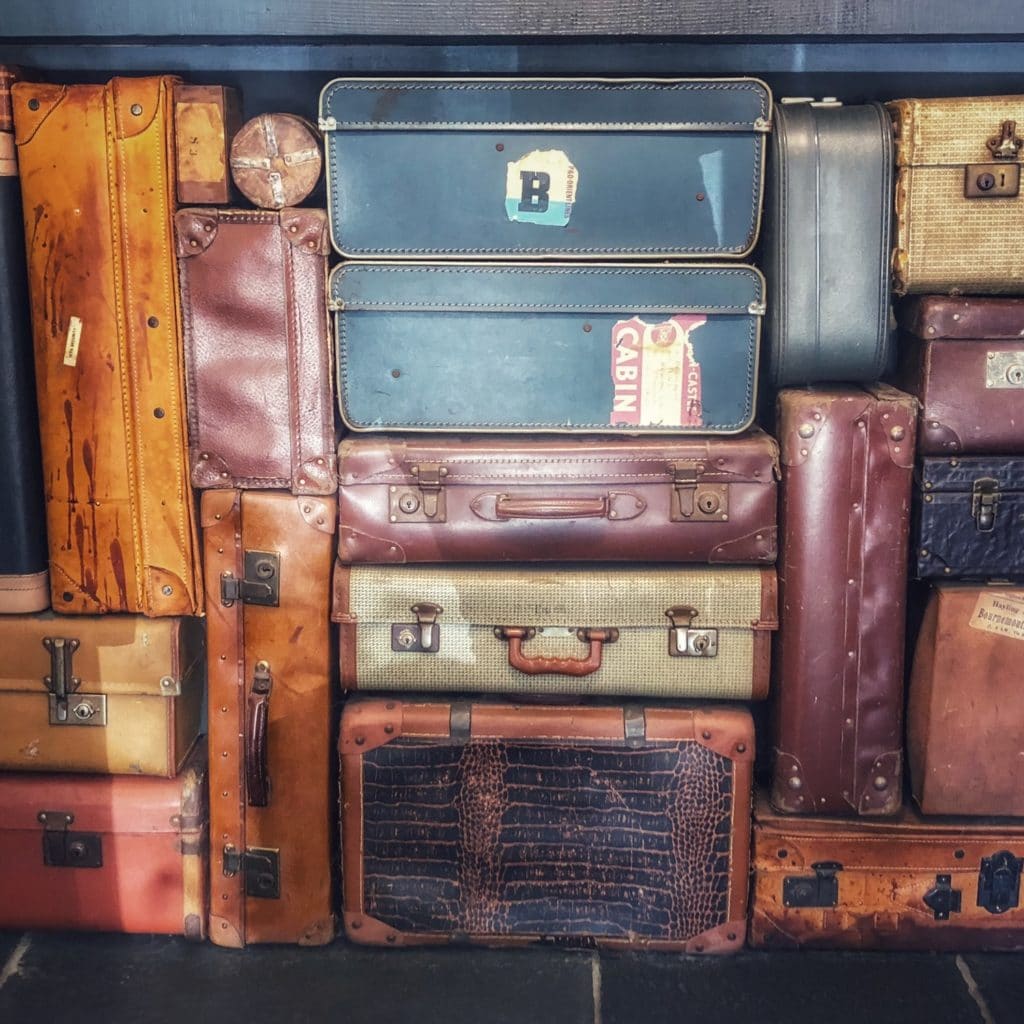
x: 139, y: 980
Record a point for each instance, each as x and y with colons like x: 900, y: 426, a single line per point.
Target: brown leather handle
x: 538, y: 665
x: 257, y: 781
x: 506, y: 507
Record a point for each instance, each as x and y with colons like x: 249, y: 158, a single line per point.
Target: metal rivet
x: 956, y: 316
x: 224, y: 753
x: 389, y: 729
x: 706, y: 734
x: 500, y: 147
x: 396, y: 374
x: 803, y: 451
x: 153, y: 322
x: 959, y: 854
x: 700, y: 197
x: 731, y: 936
x: 357, y: 923
x: 207, y: 228
x: 806, y: 430
x: 817, y: 416
x: 67, y: 596
x: 293, y: 228
x: 587, y: 328
x: 947, y: 571
x: 311, y: 244
x: 224, y: 474
x: 166, y: 682
x: 159, y: 413
x: 223, y: 657
x: 851, y: 582
x: 391, y: 938
x: 897, y: 433
x: 224, y: 708
x: 167, y: 590
x: 217, y: 515
x: 741, y: 748
x: 33, y: 104
x: 319, y: 462
x: 136, y: 109
x: 856, y: 506
x: 302, y: 480
x: 193, y: 243
x: 360, y: 740
x: 880, y: 782
x: 205, y: 457
x: 929, y: 498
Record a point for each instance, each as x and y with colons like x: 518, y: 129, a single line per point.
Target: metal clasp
x: 999, y: 882
x: 65, y: 849
x: 67, y: 707
x: 261, y: 867
x: 694, y: 501
x: 686, y: 642
x: 421, y: 637
x: 984, y: 500
x: 261, y: 583
x: 819, y: 890
x: 1005, y: 145
x: 942, y: 898
x: 423, y: 502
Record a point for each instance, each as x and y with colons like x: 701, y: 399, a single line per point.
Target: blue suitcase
x: 568, y: 348
x: 530, y: 169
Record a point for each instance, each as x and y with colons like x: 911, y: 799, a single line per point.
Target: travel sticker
x: 540, y: 188
x: 1000, y: 613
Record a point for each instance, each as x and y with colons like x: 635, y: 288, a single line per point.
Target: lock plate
x: 261, y: 583
x: 263, y: 873
x: 79, y: 709
x: 1005, y: 371
x: 942, y: 898
x: 818, y: 890
x: 63, y: 848
x: 991, y: 181
x: 693, y: 643
x: 999, y: 882
x: 407, y: 638
x: 694, y: 500
x: 423, y: 499
x: 985, y: 503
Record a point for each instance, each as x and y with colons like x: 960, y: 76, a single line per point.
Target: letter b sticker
x: 540, y: 188
x: 536, y: 187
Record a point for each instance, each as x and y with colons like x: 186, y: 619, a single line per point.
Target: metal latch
x: 64, y: 849
x: 1004, y: 370
x: 999, y: 882
x: 943, y: 898
x: 694, y: 501
x: 1005, y: 145
x: 999, y: 180
x: 686, y: 642
x: 984, y: 499
x: 261, y: 584
x: 66, y: 706
x: 420, y: 637
x: 422, y: 502
x: 262, y: 869
x: 819, y: 890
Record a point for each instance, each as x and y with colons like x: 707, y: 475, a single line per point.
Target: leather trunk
x: 913, y: 883
x: 477, y: 500
x: 113, y: 694
x: 969, y: 511
x: 965, y: 713
x: 569, y: 348
x: 526, y: 168
x: 582, y: 630
x: 24, y: 581
x: 964, y: 360
x: 828, y: 222
x: 257, y: 349
x: 276, y: 160
x: 108, y: 347
x: 94, y: 853
x: 958, y: 196
x: 268, y: 558
x: 503, y: 824
x: 847, y: 460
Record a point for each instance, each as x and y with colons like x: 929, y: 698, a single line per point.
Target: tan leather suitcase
x: 113, y: 694
x: 503, y: 824
x: 107, y: 329
x: 932, y: 884
x: 268, y: 558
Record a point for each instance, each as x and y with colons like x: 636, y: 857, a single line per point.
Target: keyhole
x: 708, y: 503
x: 264, y: 569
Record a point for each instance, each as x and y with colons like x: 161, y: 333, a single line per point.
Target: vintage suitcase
x: 964, y: 360
x: 257, y: 348
x: 965, y: 713
x: 95, y: 853
x: 276, y: 160
x: 107, y: 327
x: 206, y: 118
x: 480, y: 500
x: 968, y: 515
x: 529, y: 168
x: 958, y: 197
x: 268, y: 558
x: 651, y: 631
x: 504, y: 824
x: 828, y: 243
x: 930, y: 884
x: 24, y: 582
x: 561, y: 348
x: 847, y: 460
x: 115, y: 694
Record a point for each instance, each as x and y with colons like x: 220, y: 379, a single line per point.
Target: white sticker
x: 540, y: 188
x: 74, y: 337
x: 1002, y: 614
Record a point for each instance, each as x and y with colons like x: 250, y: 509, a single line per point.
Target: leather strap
x: 257, y: 780
x: 538, y: 665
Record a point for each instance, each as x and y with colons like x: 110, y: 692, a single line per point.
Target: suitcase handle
x: 615, y: 506
x: 257, y: 783
x: 538, y: 665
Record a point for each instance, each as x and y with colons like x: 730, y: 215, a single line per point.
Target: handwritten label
x: 200, y: 131
x: 71, y: 345
x: 1002, y: 614
x: 540, y: 188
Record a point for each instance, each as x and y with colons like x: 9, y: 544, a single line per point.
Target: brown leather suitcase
x: 847, y: 460
x: 114, y: 694
x: 206, y: 118
x: 903, y: 883
x: 268, y: 558
x: 964, y: 360
x: 257, y: 348
x: 95, y: 853
x: 965, y: 711
x: 437, y: 499
x: 501, y: 824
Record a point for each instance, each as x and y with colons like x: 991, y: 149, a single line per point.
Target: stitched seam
x: 782, y: 185
x: 888, y: 198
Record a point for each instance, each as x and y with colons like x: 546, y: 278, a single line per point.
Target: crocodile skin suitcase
x: 464, y: 499
x: 964, y: 360
x: 114, y: 854
x: 268, y: 559
x: 968, y: 514
x: 502, y: 824
x: 582, y: 630
x: 913, y: 883
x: 847, y: 460
x: 559, y: 348
x: 113, y: 694
x: 485, y: 168
x: 965, y: 713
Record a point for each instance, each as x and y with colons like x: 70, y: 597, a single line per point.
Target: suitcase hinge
x: 327, y: 124
x: 67, y: 707
x: 819, y: 890
x: 984, y: 499
x: 693, y: 501
x: 999, y: 882
x: 943, y: 898
x: 1005, y: 145
x: 422, y: 502
x: 634, y: 723
x: 420, y: 637
x: 686, y: 642
x: 65, y: 849
x: 1000, y: 180
x: 261, y: 584
x: 261, y: 867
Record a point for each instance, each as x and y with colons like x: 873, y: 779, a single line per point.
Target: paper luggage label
x: 656, y: 377
x: 1002, y: 614
x: 540, y: 188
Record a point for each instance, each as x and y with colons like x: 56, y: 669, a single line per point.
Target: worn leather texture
x: 276, y: 160
x: 291, y: 639
x: 828, y: 222
x: 206, y: 118
x: 886, y: 870
x: 546, y: 823
x: 964, y: 360
x: 947, y: 242
x: 257, y: 349
x: 534, y: 499
x: 962, y: 753
x: 8, y: 76
x: 530, y: 168
x: 107, y: 329
x: 153, y: 839
x: 490, y: 618
x: 847, y: 460
x: 148, y: 673
x: 569, y: 348
x: 950, y: 535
